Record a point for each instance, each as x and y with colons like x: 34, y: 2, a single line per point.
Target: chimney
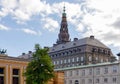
x: 29, y: 52
x: 75, y: 39
x: 23, y: 53
x: 91, y: 37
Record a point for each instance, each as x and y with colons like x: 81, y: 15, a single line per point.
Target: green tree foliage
x: 40, y: 70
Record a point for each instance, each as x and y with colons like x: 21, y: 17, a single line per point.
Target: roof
x: 88, y: 66
x: 85, y: 41
x: 5, y: 57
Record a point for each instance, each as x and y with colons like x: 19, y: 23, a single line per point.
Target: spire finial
x: 64, y: 8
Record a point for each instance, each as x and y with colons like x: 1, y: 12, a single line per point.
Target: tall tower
x: 63, y: 35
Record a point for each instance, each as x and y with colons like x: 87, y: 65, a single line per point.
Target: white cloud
x: 97, y: 17
x: 50, y: 24
x: 32, y: 32
x: 2, y: 27
x: 23, y: 10
x: 101, y: 18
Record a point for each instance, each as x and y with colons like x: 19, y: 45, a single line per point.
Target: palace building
x: 84, y: 51
x: 83, y: 61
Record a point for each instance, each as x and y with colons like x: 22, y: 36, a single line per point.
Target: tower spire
x: 63, y: 35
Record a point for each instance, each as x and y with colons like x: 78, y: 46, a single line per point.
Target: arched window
x: 76, y: 82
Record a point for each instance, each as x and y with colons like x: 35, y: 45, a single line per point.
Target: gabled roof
x: 85, y: 41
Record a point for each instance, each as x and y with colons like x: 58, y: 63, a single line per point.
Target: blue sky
x: 23, y: 23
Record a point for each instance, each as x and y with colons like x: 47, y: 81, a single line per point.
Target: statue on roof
x: 3, y: 51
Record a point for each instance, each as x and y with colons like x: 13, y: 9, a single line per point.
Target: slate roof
x: 85, y: 41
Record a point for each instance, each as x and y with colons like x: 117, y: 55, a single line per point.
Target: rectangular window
x: 114, y: 80
x: 83, y: 81
x: 114, y: 69
x: 77, y: 72
x: 106, y: 70
x: 68, y: 60
x: 97, y: 80
x: 15, y: 76
x: 70, y: 73
x: 90, y: 71
x: 83, y: 72
x: 77, y: 59
x: 72, y: 59
x: 97, y: 71
x: 105, y: 80
x: 82, y: 58
x: 89, y: 81
x: 70, y: 82
x: 1, y: 75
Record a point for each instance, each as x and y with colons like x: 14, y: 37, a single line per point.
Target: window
x: 77, y: 59
x: 96, y: 58
x: 77, y: 72
x: 90, y: 58
x: 1, y: 75
x: 70, y: 73
x: 114, y: 80
x: 105, y: 80
x: 54, y: 62
x: 61, y: 61
x: 70, y: 82
x: 68, y: 60
x: 72, y: 59
x: 76, y: 82
x: 83, y: 81
x: 97, y: 71
x: 97, y: 80
x: 114, y: 69
x: 57, y: 62
x: 89, y: 81
x: 82, y: 58
x: 65, y: 61
x: 66, y: 73
x: 101, y: 60
x: 83, y: 72
x: 15, y: 76
x: 90, y: 71
x: 106, y: 70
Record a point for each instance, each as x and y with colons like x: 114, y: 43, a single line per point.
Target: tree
x: 40, y: 70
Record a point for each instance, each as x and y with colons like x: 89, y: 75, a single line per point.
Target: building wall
x: 58, y: 79
x: 9, y: 65
x: 93, y: 74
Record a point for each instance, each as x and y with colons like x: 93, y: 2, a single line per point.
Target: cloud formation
x: 32, y: 32
x: 2, y: 27
x: 91, y: 17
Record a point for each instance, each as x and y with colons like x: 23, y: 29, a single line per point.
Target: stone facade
x: 67, y: 53
x: 101, y: 73
x: 12, y: 69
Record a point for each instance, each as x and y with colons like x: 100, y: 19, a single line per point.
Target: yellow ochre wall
x: 9, y: 65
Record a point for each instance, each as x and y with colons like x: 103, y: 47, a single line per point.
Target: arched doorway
x: 76, y: 82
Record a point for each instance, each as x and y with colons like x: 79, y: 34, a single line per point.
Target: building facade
x: 12, y: 69
x: 67, y: 53
x: 83, y: 61
x: 101, y: 73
